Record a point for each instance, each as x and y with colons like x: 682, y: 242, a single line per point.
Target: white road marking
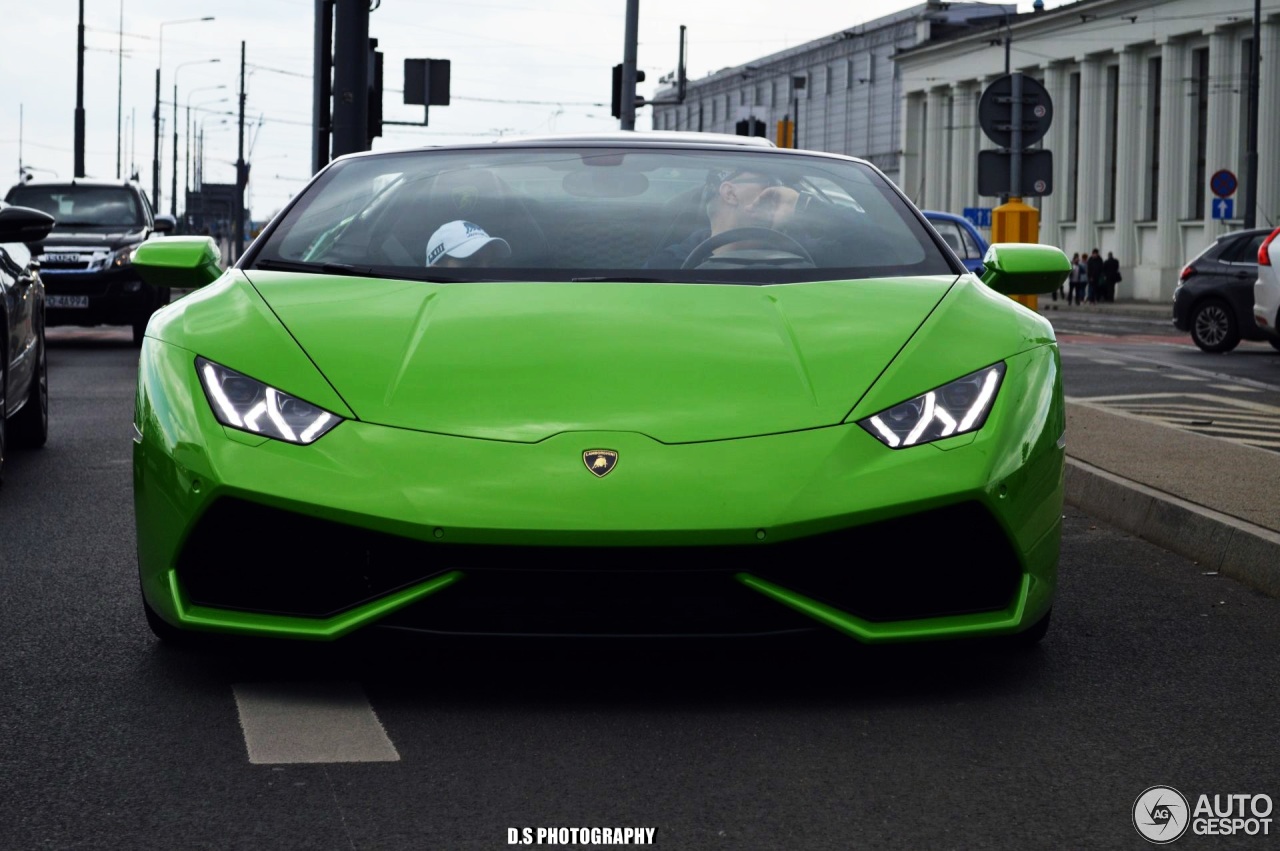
x: 310, y: 722
x: 1141, y: 369
x: 1176, y: 377
x: 1234, y: 388
x: 1228, y: 418
x: 1109, y: 362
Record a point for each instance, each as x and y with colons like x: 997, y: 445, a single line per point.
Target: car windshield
x: 629, y: 213
x: 82, y: 206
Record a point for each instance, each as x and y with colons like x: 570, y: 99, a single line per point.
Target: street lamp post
x: 186, y: 181
x: 155, y: 143
x: 173, y: 194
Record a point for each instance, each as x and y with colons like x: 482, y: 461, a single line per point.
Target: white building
x: 1150, y: 100
x: 850, y: 102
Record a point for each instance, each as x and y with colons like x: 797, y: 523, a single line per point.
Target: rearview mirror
x: 23, y: 224
x: 1024, y: 268
x: 165, y: 223
x: 183, y: 262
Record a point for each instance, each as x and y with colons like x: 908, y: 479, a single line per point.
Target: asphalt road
x: 1153, y: 673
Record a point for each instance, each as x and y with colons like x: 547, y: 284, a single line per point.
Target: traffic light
x: 616, y: 106
x: 375, y: 91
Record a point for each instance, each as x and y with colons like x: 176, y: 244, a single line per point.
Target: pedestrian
x: 1073, y: 278
x: 1082, y: 277
x: 1110, y: 276
x: 1093, y: 269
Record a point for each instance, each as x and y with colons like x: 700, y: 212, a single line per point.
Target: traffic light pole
x: 628, y: 104
x: 1014, y: 221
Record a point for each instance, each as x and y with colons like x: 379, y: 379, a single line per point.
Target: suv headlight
x: 122, y: 257
x: 247, y: 404
x: 955, y: 408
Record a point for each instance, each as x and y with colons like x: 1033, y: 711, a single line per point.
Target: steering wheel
x: 773, y: 238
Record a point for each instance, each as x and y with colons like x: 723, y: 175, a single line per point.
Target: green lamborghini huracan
x: 624, y: 385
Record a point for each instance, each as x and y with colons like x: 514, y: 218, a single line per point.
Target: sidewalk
x: 1210, y: 500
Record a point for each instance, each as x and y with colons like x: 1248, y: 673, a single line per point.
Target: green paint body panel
x: 1005, y: 621
x: 488, y: 461
x: 1024, y: 268
x: 525, y: 361
x: 207, y: 619
x: 179, y: 261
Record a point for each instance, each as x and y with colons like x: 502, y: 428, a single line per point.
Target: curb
x: 1219, y: 542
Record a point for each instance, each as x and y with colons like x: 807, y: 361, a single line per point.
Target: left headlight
x: 247, y: 404
x: 123, y: 257
x: 955, y: 408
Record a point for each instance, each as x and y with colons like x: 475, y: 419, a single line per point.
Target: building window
x: 831, y: 78
x: 1073, y: 146
x: 1200, y: 130
x: 1154, y: 67
x: 1112, y: 140
x: 848, y: 73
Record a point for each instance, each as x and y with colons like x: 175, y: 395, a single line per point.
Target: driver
x: 741, y: 198
x: 460, y: 244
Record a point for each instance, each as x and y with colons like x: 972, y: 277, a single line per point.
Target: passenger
x: 459, y: 244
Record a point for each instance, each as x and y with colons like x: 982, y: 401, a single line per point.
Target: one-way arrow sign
x: 1224, y: 208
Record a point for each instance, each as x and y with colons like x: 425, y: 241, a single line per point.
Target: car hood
x: 111, y: 240
x: 524, y: 361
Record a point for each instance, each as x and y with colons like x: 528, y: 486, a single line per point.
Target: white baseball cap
x: 461, y: 239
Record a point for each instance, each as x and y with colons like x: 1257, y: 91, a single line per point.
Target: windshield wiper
x: 352, y: 271
x: 621, y: 279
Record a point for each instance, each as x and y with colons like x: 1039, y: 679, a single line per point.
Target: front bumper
x: 111, y: 297
x: 374, y: 525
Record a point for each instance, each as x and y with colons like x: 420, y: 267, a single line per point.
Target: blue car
x: 959, y: 233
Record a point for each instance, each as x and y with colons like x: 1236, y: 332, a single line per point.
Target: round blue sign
x: 1223, y: 183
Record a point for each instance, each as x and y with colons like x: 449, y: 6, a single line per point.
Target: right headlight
x: 247, y: 404
x: 954, y: 408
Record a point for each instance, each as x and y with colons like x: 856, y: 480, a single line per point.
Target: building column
x: 911, y: 168
x: 1219, y: 144
x: 1092, y: 151
x: 1055, y: 83
x: 935, y: 150
x: 1268, y: 121
x: 964, y: 147
x: 1173, y: 151
x: 1128, y: 153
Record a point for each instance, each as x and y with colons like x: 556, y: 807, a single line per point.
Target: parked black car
x: 24, y: 384
x: 1214, y: 298
x: 86, y: 262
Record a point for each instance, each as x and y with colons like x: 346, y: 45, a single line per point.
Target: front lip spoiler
x: 209, y: 619
x: 1004, y: 621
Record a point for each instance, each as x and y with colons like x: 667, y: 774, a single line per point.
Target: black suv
x: 86, y: 263
x: 1214, y: 298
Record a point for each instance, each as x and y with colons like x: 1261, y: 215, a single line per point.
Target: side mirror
x: 166, y: 223
x: 23, y: 224
x: 1024, y: 268
x: 182, y: 262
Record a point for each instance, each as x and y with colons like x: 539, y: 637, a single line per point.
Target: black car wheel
x: 31, y: 425
x: 1213, y: 327
x: 4, y: 382
x: 1275, y: 343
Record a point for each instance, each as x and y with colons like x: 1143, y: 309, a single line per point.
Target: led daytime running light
x: 241, y: 402
x: 947, y: 411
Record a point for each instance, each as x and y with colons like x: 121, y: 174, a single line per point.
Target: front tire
x: 30, y: 427
x: 1213, y: 327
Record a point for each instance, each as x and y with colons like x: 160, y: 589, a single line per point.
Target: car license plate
x: 66, y: 301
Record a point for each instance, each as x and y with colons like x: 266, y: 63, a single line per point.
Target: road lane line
x: 310, y: 722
